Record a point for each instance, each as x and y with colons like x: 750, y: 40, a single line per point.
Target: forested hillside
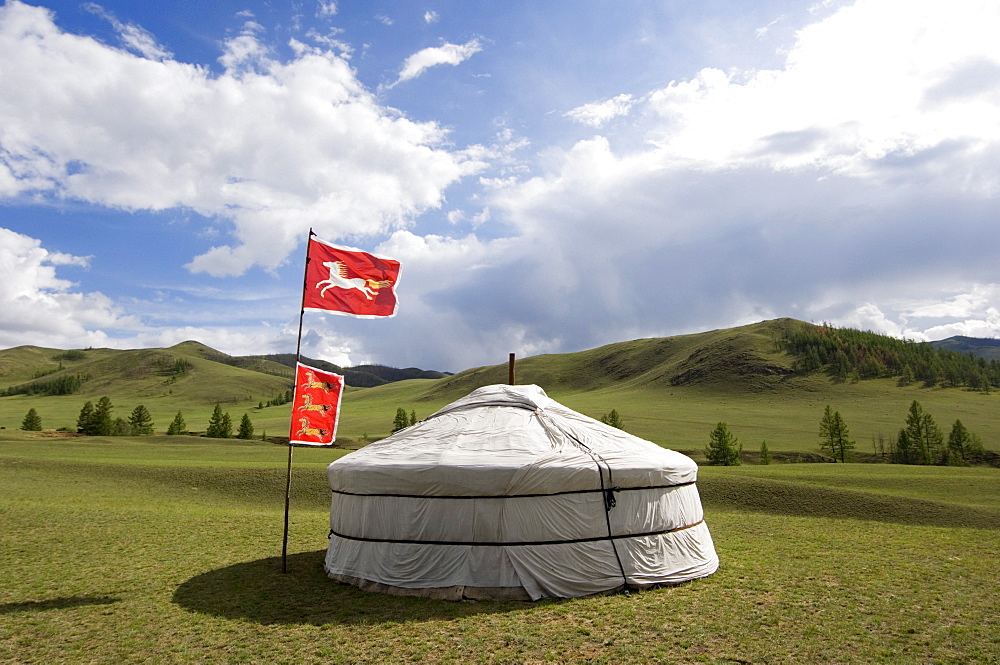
x: 848, y: 354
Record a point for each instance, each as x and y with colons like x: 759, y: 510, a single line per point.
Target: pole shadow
x: 258, y: 591
x: 62, y: 603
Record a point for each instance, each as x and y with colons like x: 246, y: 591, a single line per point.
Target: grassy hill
x: 977, y: 346
x: 737, y: 360
x: 669, y: 390
x: 674, y: 390
x: 185, y: 377
x: 361, y: 376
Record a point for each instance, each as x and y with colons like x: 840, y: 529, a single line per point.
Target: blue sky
x: 553, y: 176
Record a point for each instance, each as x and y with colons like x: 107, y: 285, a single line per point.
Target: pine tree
x: 723, y: 448
x: 401, y: 421
x: 120, y: 427
x: 915, y: 431
x: 413, y: 417
x: 220, y: 426
x: 83, y: 421
x: 834, y: 434
x: 905, y: 450
x: 140, y: 422
x: 974, y: 451
x: 177, y: 425
x: 102, y: 417
x: 924, y: 437
x: 908, y: 376
x: 614, y: 419
x: 811, y: 362
x: 958, y: 440
x: 96, y: 420
x: 935, y: 449
x: 841, y: 365
x: 32, y: 421
x: 765, y: 454
x: 246, y: 428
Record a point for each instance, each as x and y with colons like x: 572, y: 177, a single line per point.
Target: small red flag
x: 348, y: 281
x: 316, y: 406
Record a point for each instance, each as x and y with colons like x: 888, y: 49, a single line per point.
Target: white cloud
x: 132, y: 36
x: 832, y: 189
x: 596, y: 114
x: 37, y: 305
x: 870, y: 317
x: 762, y: 31
x: 446, y: 54
x: 326, y: 8
x: 973, y: 311
x: 272, y: 147
x: 431, y: 16
x: 862, y: 91
x: 855, y: 184
x: 987, y: 327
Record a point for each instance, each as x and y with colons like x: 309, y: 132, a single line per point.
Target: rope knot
x: 609, y: 498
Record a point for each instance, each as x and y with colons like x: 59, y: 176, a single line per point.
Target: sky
x: 552, y: 176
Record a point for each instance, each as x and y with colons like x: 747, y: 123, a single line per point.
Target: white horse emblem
x: 338, y: 279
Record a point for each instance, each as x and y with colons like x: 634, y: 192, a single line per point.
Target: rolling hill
x: 674, y: 390
x: 143, y: 372
x: 979, y: 347
x: 188, y: 373
x: 740, y: 360
x: 671, y: 390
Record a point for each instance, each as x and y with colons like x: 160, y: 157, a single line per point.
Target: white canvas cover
x: 507, y: 493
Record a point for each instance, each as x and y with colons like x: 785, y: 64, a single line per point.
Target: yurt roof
x: 504, y: 440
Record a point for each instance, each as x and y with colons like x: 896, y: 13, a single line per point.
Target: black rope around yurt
x: 513, y: 543
x: 530, y: 495
x: 609, y: 501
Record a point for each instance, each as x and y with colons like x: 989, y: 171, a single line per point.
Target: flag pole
x: 298, y: 358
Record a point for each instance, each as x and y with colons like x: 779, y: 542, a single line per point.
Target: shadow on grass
x: 64, y: 603
x: 258, y: 591
x: 788, y: 498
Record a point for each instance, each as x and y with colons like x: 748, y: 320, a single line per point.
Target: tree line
x: 97, y: 420
x: 919, y: 441
x: 63, y: 385
x: 849, y: 354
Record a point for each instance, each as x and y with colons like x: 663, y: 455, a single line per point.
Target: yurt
x: 506, y: 493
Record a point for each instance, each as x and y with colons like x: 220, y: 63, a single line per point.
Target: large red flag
x: 348, y: 281
x: 316, y: 406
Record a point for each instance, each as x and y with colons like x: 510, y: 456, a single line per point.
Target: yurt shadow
x: 258, y: 591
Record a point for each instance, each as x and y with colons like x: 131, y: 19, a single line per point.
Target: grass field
x: 167, y: 550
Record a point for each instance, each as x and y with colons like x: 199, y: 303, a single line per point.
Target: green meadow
x: 168, y: 550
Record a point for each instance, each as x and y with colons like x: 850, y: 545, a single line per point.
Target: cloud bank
x: 37, y: 305
x: 857, y: 183
x: 269, y: 147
